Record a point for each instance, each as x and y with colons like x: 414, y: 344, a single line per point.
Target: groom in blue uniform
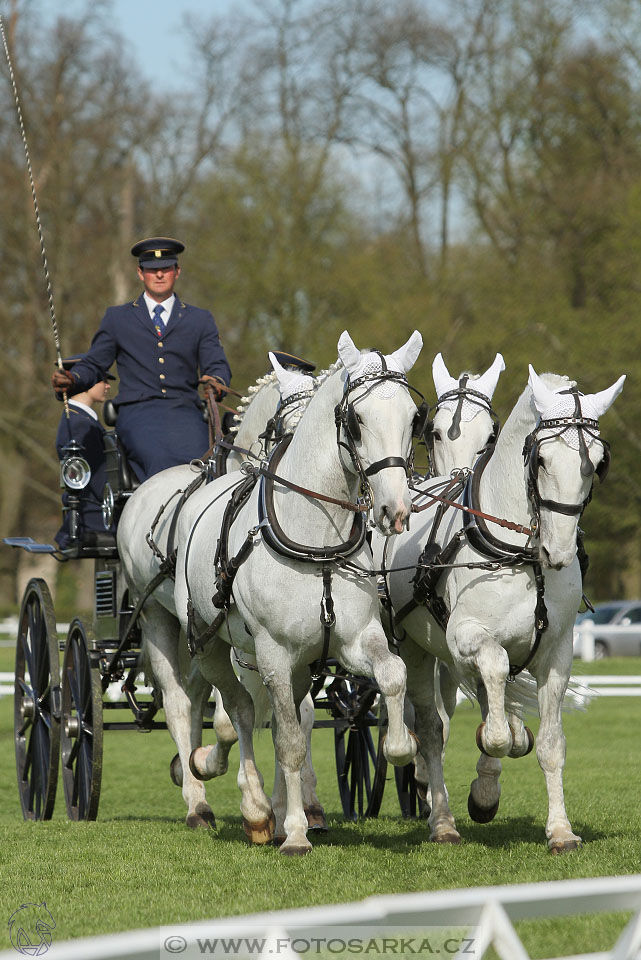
x: 163, y: 349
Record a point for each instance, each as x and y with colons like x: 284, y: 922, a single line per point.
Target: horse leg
x: 493, y: 736
x: 161, y: 633
x: 285, y: 691
x: 205, y: 762
x: 522, y: 737
x: 445, y: 691
x: 485, y: 791
x: 313, y: 808
x: 550, y: 752
x: 199, y: 690
x: 311, y: 804
x: 430, y: 731
x: 400, y: 746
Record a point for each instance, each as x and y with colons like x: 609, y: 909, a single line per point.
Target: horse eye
x: 437, y: 435
x: 539, y: 463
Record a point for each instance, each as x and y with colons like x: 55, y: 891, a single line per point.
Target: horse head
x: 562, y: 455
x: 375, y: 421
x: 296, y: 390
x: 464, y: 422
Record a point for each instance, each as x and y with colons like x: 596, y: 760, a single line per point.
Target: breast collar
x: 476, y: 529
x: 275, y: 537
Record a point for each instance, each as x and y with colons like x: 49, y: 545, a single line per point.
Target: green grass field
x: 139, y: 866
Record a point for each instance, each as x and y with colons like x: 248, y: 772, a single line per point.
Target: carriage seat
x: 120, y: 476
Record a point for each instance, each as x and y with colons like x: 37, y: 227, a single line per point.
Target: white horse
x: 518, y: 613
x: 462, y: 426
x: 297, y: 599
x: 185, y: 699
x: 463, y: 423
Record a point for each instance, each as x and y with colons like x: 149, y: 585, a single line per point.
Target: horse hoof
x: 530, y: 743
x: 202, y: 818
x: 260, y: 833
x: 192, y: 763
x: 448, y: 836
x: 176, y: 771
x: 295, y: 850
x: 316, y: 819
x: 564, y: 846
x: 481, y: 814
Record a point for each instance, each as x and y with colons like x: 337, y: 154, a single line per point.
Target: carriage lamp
x: 75, y: 472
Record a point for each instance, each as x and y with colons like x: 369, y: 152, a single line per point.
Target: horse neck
x: 313, y: 461
x: 503, y: 489
x: 261, y: 406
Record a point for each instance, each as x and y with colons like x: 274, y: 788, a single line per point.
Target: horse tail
x: 521, y: 696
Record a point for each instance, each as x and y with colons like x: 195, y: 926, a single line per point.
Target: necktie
x: 158, y: 309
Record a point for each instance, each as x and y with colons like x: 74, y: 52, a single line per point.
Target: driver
x: 163, y: 349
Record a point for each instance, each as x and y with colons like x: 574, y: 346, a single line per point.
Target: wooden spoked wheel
x: 360, y: 766
x: 81, y: 725
x: 37, y: 703
x: 412, y: 804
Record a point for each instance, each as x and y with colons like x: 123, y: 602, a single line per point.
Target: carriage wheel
x: 412, y: 804
x: 360, y: 769
x: 37, y: 703
x: 359, y: 765
x: 81, y: 725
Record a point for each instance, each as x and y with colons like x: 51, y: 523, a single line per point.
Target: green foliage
x: 499, y: 112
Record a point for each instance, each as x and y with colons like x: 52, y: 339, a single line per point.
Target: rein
x: 508, y: 524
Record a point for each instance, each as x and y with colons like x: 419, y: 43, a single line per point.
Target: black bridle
x: 345, y: 416
x: 531, y: 455
x: 275, y: 428
x: 461, y: 393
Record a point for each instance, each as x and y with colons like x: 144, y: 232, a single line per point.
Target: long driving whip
x: 52, y: 309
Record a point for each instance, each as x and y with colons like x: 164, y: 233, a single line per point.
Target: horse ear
x: 407, y: 355
x: 598, y: 403
x: 349, y: 353
x: 288, y: 381
x: 543, y: 396
x: 443, y: 381
x: 486, y: 383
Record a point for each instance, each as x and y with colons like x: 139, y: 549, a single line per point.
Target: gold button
x: 163, y: 390
x: 161, y: 359
x: 160, y: 343
x: 162, y: 376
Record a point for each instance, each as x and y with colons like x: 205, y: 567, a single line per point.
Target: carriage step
x: 29, y: 544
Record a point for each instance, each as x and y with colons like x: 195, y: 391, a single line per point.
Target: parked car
x: 616, y: 626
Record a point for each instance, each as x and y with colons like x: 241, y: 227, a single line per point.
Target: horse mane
x: 271, y: 378
x: 245, y: 402
x: 524, y: 411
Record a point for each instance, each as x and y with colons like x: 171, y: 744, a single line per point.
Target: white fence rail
x: 487, y: 914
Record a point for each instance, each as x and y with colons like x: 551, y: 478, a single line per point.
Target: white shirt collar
x: 83, y: 406
x: 167, y: 306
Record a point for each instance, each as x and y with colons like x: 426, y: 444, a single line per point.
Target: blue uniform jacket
x: 152, y: 367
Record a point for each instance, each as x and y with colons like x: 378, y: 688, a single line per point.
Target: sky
x: 150, y: 25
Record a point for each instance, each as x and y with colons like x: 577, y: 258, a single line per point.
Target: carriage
x: 550, y: 416
x: 63, y: 709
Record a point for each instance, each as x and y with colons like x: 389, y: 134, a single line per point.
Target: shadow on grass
x: 387, y: 832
